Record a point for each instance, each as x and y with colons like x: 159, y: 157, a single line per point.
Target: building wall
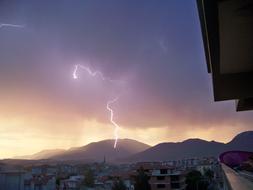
x: 155, y: 179
x: 11, y: 181
x: 159, y: 187
x: 166, y: 182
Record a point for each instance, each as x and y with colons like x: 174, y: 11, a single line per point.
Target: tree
x: 209, y: 174
x: 194, y: 181
x: 89, y: 178
x: 119, y: 185
x: 141, y: 180
x: 57, y: 182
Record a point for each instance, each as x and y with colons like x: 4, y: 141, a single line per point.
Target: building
x: 72, y: 183
x: 40, y: 182
x: 107, y: 181
x: 163, y: 177
x: 227, y: 28
x: 166, y: 178
x: 12, y: 180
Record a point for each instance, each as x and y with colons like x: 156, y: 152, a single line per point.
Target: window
x: 163, y: 171
x: 160, y: 186
x: 175, y: 185
x: 174, y: 178
x: 160, y: 177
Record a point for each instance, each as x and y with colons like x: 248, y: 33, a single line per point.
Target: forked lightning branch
x: 109, y: 102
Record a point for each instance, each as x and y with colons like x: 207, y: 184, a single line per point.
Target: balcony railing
x: 234, y: 180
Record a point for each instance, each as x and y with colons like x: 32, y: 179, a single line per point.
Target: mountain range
x: 133, y: 151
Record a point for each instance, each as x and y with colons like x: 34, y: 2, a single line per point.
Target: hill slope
x: 173, y: 151
x: 98, y: 150
x: 132, y: 151
x: 242, y: 141
x: 44, y: 154
x: 193, y: 148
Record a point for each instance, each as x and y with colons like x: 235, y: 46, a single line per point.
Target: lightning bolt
x: 11, y: 25
x: 93, y: 73
x: 88, y: 70
x: 108, y: 107
x: 109, y: 103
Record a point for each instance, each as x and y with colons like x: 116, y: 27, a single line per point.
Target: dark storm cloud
x: 155, y: 46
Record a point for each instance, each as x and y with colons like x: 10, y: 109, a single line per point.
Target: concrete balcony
x: 235, y: 180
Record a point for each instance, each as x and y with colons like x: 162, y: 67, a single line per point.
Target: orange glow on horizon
x: 23, y: 136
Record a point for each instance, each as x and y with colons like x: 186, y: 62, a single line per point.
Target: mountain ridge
x: 193, y: 148
x: 129, y: 150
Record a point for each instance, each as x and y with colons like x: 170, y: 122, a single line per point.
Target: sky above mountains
x: 155, y: 47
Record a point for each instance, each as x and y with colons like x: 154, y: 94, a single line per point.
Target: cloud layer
x: 154, y: 46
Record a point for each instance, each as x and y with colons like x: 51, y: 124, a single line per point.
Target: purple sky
x: 155, y: 46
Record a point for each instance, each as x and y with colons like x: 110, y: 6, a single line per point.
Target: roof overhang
x: 227, y: 31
